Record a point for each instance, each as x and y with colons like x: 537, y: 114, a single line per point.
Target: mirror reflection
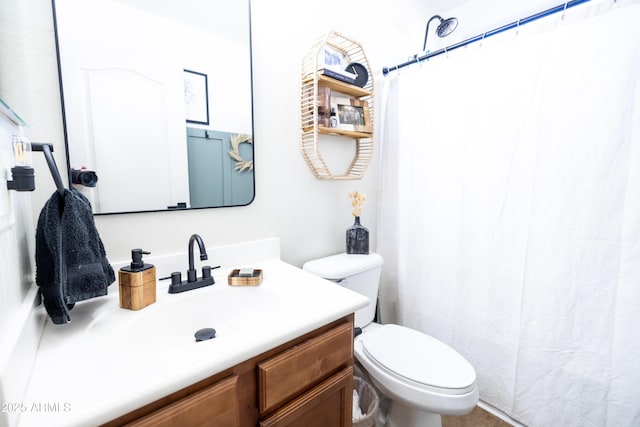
x: 157, y: 102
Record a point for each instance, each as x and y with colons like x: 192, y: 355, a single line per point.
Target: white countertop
x: 109, y: 361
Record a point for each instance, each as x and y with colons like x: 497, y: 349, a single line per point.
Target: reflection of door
x: 213, y: 180
x: 127, y: 119
x: 124, y: 110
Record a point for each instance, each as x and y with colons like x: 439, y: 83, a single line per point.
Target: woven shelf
x: 311, y: 79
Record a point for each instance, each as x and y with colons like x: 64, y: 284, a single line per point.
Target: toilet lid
x: 342, y: 265
x: 418, y: 357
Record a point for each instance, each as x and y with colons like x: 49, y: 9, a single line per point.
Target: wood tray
x: 235, y: 280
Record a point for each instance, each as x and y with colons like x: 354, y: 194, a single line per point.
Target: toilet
x: 423, y: 377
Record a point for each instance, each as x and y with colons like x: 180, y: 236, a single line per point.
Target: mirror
x: 157, y: 101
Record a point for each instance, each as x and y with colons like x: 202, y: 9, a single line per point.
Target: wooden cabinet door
x: 329, y: 404
x: 215, y: 405
x: 295, y: 370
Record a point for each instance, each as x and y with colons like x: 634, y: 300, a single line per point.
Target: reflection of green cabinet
x: 213, y: 180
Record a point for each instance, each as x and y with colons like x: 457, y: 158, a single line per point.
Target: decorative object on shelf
x: 343, y: 76
x: 324, y: 106
x: 362, y: 75
x: 241, y: 164
x: 357, y: 234
x: 353, y: 114
x: 332, y: 62
x: 333, y: 118
x: 332, y: 57
x: 196, y: 97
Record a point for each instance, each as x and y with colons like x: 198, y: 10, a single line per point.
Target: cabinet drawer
x: 329, y: 404
x: 295, y: 370
x: 215, y: 405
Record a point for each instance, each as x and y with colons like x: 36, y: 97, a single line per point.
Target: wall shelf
x: 310, y: 129
x: 339, y: 86
x: 334, y: 131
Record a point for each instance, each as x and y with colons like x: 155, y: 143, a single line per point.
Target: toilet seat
x: 420, y: 359
x: 421, y: 377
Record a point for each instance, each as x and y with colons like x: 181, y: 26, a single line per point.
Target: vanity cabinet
x: 307, y: 381
x: 214, y: 405
x: 361, y: 97
x: 328, y: 404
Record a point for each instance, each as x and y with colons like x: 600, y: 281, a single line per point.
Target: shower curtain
x: 509, y: 215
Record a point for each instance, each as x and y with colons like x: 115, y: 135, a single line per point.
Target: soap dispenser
x: 137, y: 282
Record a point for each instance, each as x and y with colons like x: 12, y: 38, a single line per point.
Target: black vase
x: 357, y: 239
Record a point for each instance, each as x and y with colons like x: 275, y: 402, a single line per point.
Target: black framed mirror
x: 157, y: 101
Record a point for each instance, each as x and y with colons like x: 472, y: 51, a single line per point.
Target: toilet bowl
x: 423, y: 377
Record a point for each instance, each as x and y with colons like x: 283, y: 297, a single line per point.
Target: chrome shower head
x: 445, y: 28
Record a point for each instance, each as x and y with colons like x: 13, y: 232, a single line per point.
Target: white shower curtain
x: 509, y: 214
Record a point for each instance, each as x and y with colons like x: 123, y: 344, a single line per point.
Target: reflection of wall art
x: 352, y: 114
x: 196, y: 97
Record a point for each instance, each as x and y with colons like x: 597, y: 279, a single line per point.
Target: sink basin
x: 174, y: 319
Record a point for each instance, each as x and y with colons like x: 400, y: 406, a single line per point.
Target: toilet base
x: 404, y: 416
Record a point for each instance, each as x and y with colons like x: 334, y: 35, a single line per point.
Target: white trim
x: 17, y: 354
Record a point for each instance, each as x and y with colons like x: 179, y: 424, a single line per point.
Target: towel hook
x: 47, y: 148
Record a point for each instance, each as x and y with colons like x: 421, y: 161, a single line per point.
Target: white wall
x: 17, y: 242
x: 310, y: 216
x: 19, y: 330
x: 17, y: 225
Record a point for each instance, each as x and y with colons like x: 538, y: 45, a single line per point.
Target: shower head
x: 445, y: 28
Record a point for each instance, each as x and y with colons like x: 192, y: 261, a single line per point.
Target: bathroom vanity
x: 307, y: 380
x: 283, y: 352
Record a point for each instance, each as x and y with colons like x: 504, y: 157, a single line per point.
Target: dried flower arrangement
x: 357, y: 200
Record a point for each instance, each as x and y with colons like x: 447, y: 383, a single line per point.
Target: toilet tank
x: 360, y: 273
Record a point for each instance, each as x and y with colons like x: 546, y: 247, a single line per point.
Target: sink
x: 173, y: 319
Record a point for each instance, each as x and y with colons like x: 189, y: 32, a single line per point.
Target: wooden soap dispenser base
x: 137, y: 282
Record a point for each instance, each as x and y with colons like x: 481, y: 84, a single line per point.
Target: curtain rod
x: 514, y: 24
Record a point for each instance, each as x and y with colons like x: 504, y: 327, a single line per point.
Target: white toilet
x: 423, y: 377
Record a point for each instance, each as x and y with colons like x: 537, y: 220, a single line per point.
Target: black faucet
x: 191, y: 272
x: 192, y: 282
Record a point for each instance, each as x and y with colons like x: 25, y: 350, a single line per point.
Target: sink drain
x: 205, y: 334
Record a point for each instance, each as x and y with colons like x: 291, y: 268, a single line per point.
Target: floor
x: 476, y: 418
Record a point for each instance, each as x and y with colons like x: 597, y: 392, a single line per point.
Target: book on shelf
x: 343, y: 76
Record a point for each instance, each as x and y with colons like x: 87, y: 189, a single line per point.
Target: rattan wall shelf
x: 311, y: 79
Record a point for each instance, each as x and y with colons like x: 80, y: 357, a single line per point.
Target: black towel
x: 71, y: 263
